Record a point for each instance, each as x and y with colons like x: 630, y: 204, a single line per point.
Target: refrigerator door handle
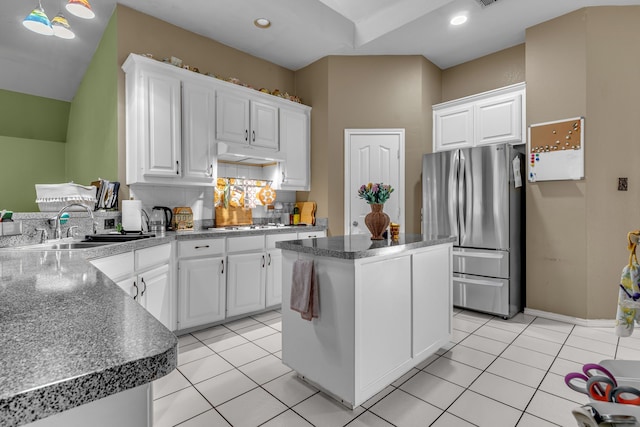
x: 454, y: 199
x: 462, y: 200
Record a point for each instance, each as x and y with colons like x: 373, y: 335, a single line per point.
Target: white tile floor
x: 493, y: 373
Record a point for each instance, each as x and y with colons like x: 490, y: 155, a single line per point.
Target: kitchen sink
x: 89, y: 241
x: 76, y: 245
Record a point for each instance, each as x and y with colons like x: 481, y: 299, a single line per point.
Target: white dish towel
x: 304, y: 290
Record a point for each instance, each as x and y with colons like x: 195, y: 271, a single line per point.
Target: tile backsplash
x: 200, y: 199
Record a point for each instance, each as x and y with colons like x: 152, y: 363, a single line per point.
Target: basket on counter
x: 53, y: 197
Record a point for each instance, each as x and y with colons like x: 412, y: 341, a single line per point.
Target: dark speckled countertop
x: 69, y: 335
x: 360, y: 245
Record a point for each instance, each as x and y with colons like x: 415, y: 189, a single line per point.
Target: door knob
x: 355, y: 223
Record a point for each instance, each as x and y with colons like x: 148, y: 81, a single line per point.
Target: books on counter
x: 107, y: 194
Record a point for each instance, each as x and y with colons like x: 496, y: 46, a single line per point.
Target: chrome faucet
x: 58, y: 227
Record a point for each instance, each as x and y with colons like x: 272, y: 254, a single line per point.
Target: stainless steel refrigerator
x: 477, y: 195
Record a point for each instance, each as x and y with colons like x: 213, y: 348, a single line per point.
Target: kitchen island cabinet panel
x: 384, y: 308
x: 432, y: 302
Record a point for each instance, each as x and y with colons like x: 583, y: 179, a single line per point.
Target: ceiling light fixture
x: 262, y: 23
x: 61, y: 27
x: 80, y: 8
x: 38, y: 22
x: 458, y: 20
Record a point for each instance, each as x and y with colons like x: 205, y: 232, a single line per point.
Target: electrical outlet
x: 109, y: 223
x: 622, y: 184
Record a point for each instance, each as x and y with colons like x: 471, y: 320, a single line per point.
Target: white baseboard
x: 589, y: 323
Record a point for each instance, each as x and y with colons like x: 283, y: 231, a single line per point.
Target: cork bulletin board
x: 556, y: 150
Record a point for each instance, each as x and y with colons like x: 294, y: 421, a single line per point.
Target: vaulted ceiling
x: 301, y: 32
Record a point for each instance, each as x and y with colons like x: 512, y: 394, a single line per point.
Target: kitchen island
x: 384, y: 308
x: 76, y: 350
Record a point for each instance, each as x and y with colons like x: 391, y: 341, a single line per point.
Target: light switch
x: 622, y: 184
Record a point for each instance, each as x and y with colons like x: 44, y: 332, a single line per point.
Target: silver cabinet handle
x: 355, y: 223
x: 135, y: 297
x: 145, y: 287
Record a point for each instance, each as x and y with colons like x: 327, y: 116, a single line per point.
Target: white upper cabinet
x: 295, y: 142
x: 242, y: 120
x: 161, y: 137
x: 499, y: 119
x: 169, y: 118
x: 198, y: 123
x: 232, y: 117
x: 264, y: 125
x: 453, y: 127
x: 491, y: 117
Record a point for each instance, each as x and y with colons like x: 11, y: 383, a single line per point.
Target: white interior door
x: 373, y: 155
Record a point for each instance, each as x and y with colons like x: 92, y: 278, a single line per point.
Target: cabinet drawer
x: 115, y: 267
x: 245, y: 243
x: 311, y: 234
x: 200, y: 247
x: 150, y: 257
x: 273, y: 238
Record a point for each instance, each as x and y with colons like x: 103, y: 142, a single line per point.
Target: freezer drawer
x: 481, y: 262
x: 490, y: 295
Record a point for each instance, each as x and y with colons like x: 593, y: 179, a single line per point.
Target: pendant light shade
x: 61, y: 27
x: 80, y: 8
x: 37, y: 21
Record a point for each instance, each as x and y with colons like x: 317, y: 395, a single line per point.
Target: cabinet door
x: 294, y: 142
x: 453, y: 127
x: 162, y: 125
x: 155, y: 294
x: 232, y: 118
x: 274, y: 278
x: 264, y: 125
x: 499, y: 119
x: 246, y: 283
x: 382, y: 309
x: 198, y: 126
x: 201, y: 291
x: 432, y: 301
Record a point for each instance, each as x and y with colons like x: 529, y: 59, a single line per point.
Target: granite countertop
x: 70, y: 336
x: 360, y: 245
x: 67, y: 331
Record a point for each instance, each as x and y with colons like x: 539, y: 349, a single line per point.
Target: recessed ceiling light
x: 458, y: 20
x: 262, y: 23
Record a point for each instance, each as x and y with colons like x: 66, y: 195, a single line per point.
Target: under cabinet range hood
x: 247, y: 154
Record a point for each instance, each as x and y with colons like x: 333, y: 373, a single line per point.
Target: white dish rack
x: 53, y: 197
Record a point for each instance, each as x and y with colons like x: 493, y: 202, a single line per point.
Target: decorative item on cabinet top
x: 178, y: 63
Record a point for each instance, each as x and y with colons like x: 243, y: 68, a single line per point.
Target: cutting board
x: 307, y: 212
x: 233, y: 216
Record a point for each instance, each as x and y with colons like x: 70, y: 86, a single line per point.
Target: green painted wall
x: 32, y: 142
x: 24, y: 163
x: 33, y: 117
x: 92, y: 138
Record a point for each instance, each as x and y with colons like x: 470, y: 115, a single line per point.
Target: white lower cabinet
x: 274, y: 267
x: 246, y: 283
x: 201, y: 282
x: 145, y: 274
